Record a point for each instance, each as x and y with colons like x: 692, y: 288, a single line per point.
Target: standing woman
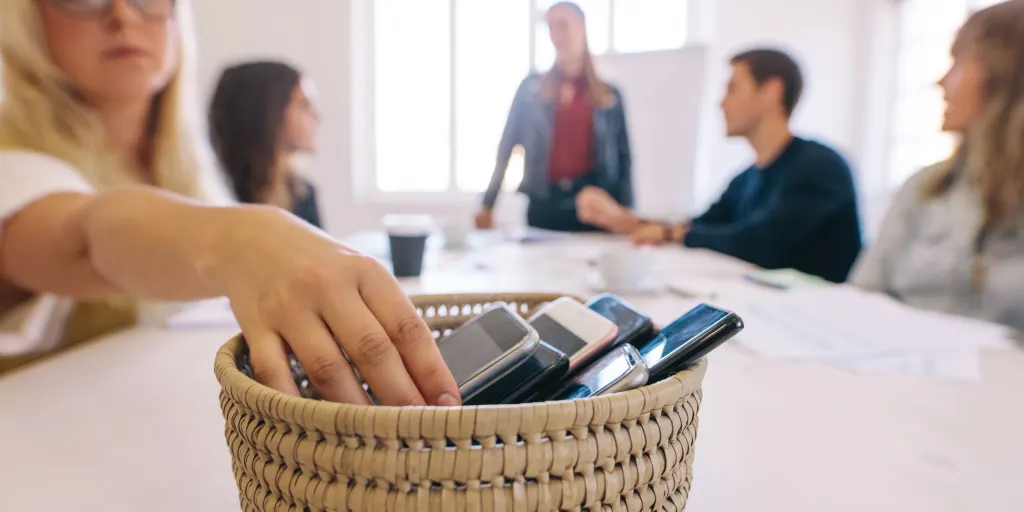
x: 573, y: 128
x: 953, y: 238
x: 261, y: 116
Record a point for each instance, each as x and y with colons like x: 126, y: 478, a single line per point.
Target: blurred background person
x: 794, y: 207
x: 261, y: 116
x: 109, y: 196
x: 572, y: 126
x: 953, y: 237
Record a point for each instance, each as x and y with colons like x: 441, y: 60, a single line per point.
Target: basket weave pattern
x: 629, y: 451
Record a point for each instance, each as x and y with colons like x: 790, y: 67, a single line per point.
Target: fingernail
x: 448, y: 400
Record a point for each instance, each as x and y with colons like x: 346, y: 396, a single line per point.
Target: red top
x: 573, y: 139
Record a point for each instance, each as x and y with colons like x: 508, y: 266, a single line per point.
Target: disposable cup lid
x: 408, y: 224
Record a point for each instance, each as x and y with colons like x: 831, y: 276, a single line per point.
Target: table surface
x: 132, y: 421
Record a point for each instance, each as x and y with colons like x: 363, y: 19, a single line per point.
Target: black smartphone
x: 635, y: 328
x: 621, y: 369
x: 687, y: 339
x: 544, y: 369
x: 487, y: 347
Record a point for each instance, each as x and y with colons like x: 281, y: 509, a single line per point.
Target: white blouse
x: 26, y: 177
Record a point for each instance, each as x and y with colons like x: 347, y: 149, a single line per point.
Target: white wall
x: 840, y: 43
x: 663, y: 92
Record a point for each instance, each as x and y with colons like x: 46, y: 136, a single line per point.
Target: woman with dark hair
x: 261, y: 116
x: 573, y: 128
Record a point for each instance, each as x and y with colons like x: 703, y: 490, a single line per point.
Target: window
x: 927, y: 30
x: 444, y: 73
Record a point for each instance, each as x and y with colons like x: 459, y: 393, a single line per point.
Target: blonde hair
x: 40, y: 111
x: 550, y: 83
x: 992, y: 151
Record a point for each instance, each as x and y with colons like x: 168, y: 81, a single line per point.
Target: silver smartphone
x: 621, y: 369
x: 487, y: 347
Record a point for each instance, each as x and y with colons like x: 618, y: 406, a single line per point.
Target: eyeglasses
x: 152, y: 9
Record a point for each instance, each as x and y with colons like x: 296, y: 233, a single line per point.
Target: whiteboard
x: 662, y: 92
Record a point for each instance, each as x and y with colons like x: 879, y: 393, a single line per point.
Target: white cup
x: 456, y: 232
x: 626, y: 268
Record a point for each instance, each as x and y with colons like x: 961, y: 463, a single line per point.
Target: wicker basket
x: 628, y: 451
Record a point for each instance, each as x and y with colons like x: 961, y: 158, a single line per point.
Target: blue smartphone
x: 635, y: 328
x: 689, y: 338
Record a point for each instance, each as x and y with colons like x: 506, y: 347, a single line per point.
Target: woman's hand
x: 656, y: 233
x: 649, y: 233
x: 293, y: 287
x: 484, y: 219
x: 597, y: 207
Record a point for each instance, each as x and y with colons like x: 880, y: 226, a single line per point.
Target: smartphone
x: 487, y: 347
x: 575, y: 329
x: 635, y: 328
x: 541, y: 371
x: 621, y: 369
x: 689, y: 338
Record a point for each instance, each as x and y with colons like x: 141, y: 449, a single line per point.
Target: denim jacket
x: 531, y: 125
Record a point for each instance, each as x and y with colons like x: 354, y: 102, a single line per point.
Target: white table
x: 132, y: 421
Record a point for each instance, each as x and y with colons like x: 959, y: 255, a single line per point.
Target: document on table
x: 204, y: 314
x: 867, y: 333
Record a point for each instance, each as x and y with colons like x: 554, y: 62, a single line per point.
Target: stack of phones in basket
x: 569, y: 350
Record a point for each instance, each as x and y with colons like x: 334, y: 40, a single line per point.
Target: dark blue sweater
x: 799, y: 212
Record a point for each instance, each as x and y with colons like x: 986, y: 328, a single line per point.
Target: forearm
x: 491, y: 196
x: 497, y: 177
x: 149, y: 243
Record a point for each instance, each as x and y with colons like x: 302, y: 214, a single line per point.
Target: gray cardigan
x: 531, y: 124
x: 925, y: 249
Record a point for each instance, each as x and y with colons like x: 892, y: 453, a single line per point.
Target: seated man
x: 795, y: 207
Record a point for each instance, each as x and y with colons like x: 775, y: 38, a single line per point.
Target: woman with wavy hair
x: 261, y: 116
x: 953, y: 239
x: 109, y: 193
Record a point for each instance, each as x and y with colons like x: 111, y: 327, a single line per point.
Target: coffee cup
x: 626, y: 268
x: 456, y: 232
x: 407, y: 241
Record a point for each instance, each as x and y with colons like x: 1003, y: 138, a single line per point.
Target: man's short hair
x: 767, y: 63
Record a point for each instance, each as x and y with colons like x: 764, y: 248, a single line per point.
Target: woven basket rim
x: 380, y: 420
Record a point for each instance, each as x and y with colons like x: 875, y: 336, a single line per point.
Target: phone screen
x: 628, y: 319
x: 557, y: 335
x: 480, y: 341
x: 547, y: 364
x: 680, y: 334
x: 599, y: 376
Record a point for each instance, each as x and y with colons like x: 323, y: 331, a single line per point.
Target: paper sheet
x: 205, y: 314
x: 867, y: 333
x: 959, y: 365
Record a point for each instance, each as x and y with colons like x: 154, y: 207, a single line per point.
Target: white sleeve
x: 26, y: 177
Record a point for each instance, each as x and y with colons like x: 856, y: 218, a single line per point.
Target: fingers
x: 411, y: 338
x: 647, y: 236
x: 371, y: 349
x: 269, y: 360
x: 323, y: 361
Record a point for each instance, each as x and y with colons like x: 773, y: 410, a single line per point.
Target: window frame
x: 903, y: 92
x: 364, y: 125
